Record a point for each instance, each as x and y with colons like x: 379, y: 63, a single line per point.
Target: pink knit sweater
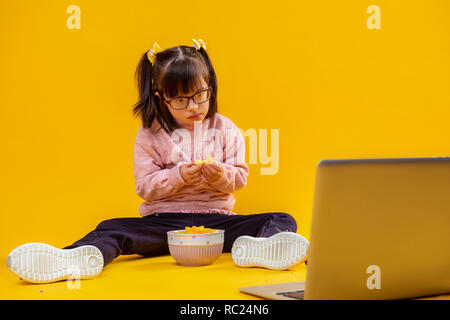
x: 159, y: 155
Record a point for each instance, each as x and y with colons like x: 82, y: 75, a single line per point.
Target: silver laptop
x: 380, y: 230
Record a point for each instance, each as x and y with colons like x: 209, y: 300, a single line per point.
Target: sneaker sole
x: 42, y: 263
x: 281, y: 251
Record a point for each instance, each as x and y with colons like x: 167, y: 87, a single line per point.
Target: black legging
x: 147, y: 236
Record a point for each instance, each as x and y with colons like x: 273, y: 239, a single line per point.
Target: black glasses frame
x: 188, y: 99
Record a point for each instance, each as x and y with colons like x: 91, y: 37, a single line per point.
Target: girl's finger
x: 217, y: 166
x: 212, y: 167
x: 197, y: 174
x: 207, y: 169
x: 195, y: 169
x: 194, y: 177
x: 213, y: 175
x: 193, y: 173
x: 196, y: 180
x: 206, y: 174
x: 210, y: 173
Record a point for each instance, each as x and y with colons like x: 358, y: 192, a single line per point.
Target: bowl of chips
x: 195, y: 246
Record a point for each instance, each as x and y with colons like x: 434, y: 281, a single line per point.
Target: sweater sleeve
x: 236, y: 170
x: 153, y: 182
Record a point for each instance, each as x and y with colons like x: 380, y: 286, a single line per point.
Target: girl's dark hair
x: 176, y: 71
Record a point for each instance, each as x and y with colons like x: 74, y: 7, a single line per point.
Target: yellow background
x: 311, y: 69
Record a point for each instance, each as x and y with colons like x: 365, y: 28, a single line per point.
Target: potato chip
x: 208, y: 160
x: 195, y: 229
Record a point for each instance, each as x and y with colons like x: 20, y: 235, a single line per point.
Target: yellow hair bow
x: 199, y: 43
x: 151, y: 54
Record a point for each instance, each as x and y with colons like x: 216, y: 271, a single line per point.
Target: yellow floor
x: 134, y: 277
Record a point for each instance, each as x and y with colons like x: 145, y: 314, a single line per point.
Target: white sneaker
x: 41, y: 263
x: 281, y: 251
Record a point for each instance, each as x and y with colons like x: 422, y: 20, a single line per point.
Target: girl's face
x: 193, y: 112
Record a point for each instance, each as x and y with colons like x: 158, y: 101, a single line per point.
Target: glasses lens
x: 202, y: 96
x: 179, y: 103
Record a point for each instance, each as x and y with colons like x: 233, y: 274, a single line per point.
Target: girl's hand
x: 191, y: 173
x: 212, y: 171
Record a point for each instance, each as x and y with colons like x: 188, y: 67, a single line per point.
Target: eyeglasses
x: 179, y: 103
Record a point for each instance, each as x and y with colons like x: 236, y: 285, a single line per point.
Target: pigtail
x: 212, y: 82
x: 146, y: 107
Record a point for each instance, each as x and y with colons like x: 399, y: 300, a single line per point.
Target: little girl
x: 180, y: 125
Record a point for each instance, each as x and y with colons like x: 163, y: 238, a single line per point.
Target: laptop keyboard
x: 298, y: 295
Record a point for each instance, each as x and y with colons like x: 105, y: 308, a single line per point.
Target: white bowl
x: 195, y: 249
